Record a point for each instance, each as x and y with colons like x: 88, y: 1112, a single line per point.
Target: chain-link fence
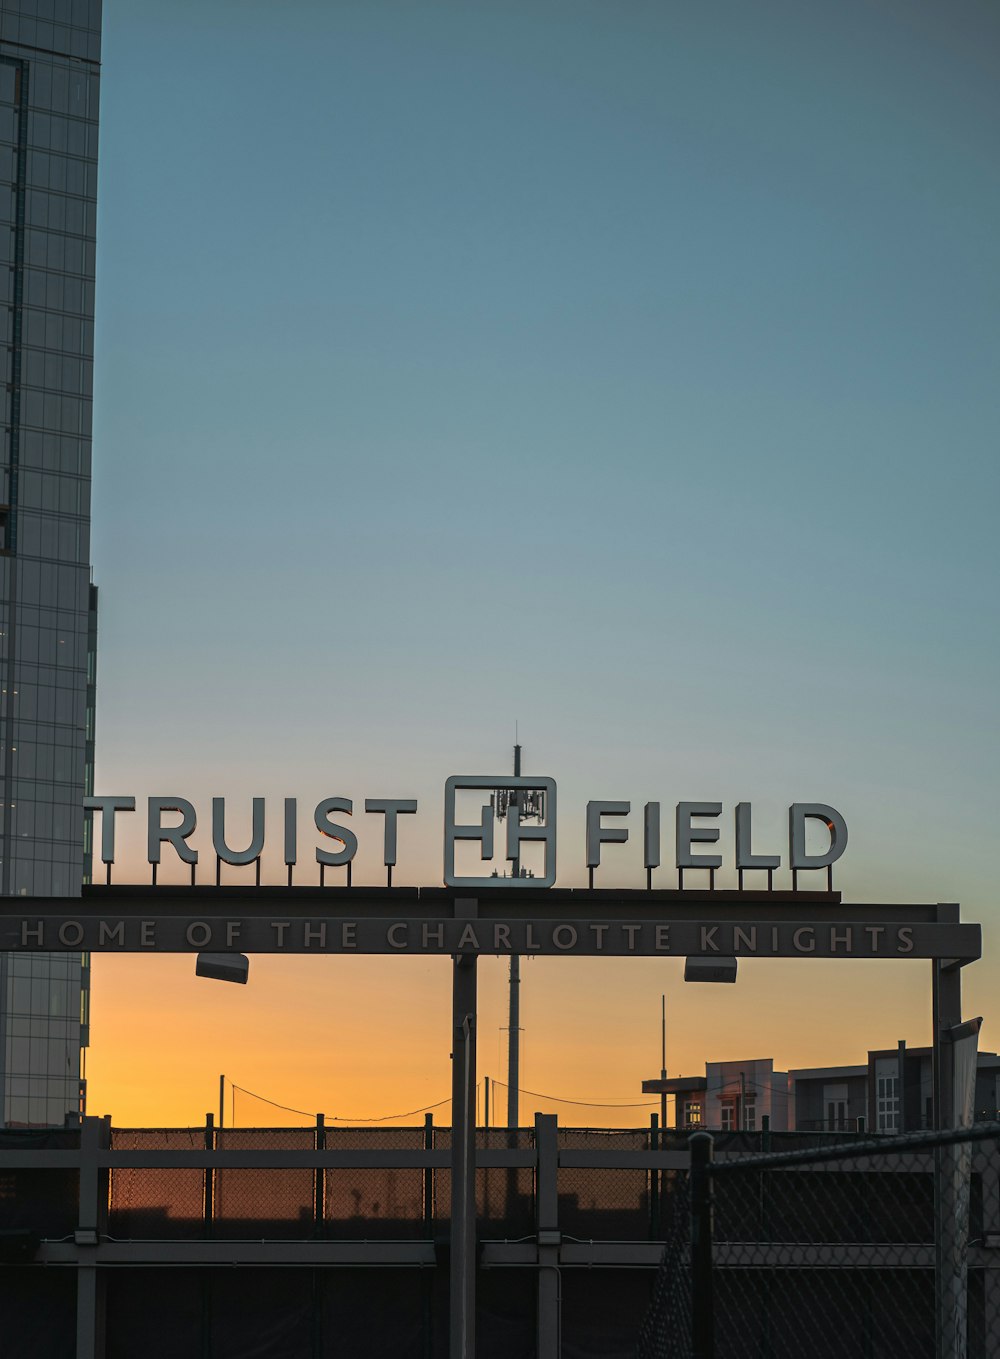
x: 887, y: 1249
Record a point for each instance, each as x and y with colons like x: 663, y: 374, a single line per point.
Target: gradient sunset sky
x: 626, y: 370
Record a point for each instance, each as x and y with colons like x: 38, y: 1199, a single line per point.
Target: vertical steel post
x: 209, y: 1182
x: 95, y: 1135
x: 702, y: 1327
x: 547, y: 1222
x: 429, y: 1178
x: 427, y: 1299
x: 319, y: 1182
x: 901, y: 1083
x: 462, y: 1338
x: 513, y: 1042
x: 654, y: 1181
x: 514, y: 1012
x: 663, y: 1061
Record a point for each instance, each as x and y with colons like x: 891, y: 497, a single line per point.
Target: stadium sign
x: 527, y: 806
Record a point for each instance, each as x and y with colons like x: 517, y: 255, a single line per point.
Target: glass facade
x: 49, y: 80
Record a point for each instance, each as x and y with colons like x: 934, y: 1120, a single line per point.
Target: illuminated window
x: 888, y: 1103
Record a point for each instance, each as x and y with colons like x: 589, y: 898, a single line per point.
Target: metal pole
x: 702, y: 1328
x: 429, y: 1177
x: 462, y: 1334
x: 319, y: 1182
x: 513, y: 1044
x: 514, y: 1016
x: 95, y: 1136
x: 742, y: 1124
x: 222, y: 1100
x: 663, y: 1061
x: 900, y: 1082
x: 486, y: 1101
x: 547, y: 1336
x: 947, y: 1012
x: 208, y: 1204
x: 654, y: 1181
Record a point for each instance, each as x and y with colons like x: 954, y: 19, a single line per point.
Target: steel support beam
x: 95, y: 1136
x: 462, y: 1335
x: 547, y: 1207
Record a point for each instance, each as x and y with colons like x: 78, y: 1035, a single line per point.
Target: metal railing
x: 80, y: 1204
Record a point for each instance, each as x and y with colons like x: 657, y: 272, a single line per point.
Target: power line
x: 426, y: 1108
x: 585, y: 1103
x: 338, y: 1118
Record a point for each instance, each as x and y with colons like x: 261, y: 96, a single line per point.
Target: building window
x: 836, y: 1115
x: 692, y: 1113
x: 887, y: 1109
x: 835, y: 1104
x: 750, y: 1113
x: 728, y: 1115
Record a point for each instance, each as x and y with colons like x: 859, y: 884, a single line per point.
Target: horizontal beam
x: 228, y: 1253
x: 885, y: 1158
x: 494, y: 1254
x: 624, y: 1159
x: 264, y: 1159
x: 732, y: 1255
x: 286, y: 1159
x: 796, y: 935
x: 428, y: 901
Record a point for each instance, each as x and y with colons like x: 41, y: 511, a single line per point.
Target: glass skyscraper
x: 49, y: 81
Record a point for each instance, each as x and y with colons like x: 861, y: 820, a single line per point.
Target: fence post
x: 948, y: 1261
x: 209, y: 1200
x: 319, y: 1183
x: 654, y: 1180
x: 427, y: 1299
x: 95, y: 1136
x: 702, y: 1329
x: 429, y: 1178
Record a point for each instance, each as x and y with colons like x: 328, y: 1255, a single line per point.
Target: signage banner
x: 129, y: 932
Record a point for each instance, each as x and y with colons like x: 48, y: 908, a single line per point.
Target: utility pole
x: 663, y: 1063
x: 514, y: 1012
x: 743, y: 1102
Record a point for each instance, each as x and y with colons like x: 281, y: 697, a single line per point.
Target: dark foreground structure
x: 308, y: 1242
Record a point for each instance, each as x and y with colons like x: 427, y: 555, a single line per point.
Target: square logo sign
x: 484, y: 831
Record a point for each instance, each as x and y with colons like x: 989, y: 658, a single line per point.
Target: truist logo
x: 526, y: 805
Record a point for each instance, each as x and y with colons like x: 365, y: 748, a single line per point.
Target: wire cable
x: 584, y: 1103
x: 338, y: 1118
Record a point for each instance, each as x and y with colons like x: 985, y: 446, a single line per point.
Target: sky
x: 628, y: 372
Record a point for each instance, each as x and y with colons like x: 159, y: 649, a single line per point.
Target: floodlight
x: 228, y: 967
x: 709, y: 969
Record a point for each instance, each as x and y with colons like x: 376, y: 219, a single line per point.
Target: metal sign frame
x: 550, y: 922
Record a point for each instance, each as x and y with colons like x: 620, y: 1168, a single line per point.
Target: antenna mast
x: 514, y: 1011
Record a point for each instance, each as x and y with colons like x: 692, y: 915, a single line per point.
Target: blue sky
x: 629, y: 370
